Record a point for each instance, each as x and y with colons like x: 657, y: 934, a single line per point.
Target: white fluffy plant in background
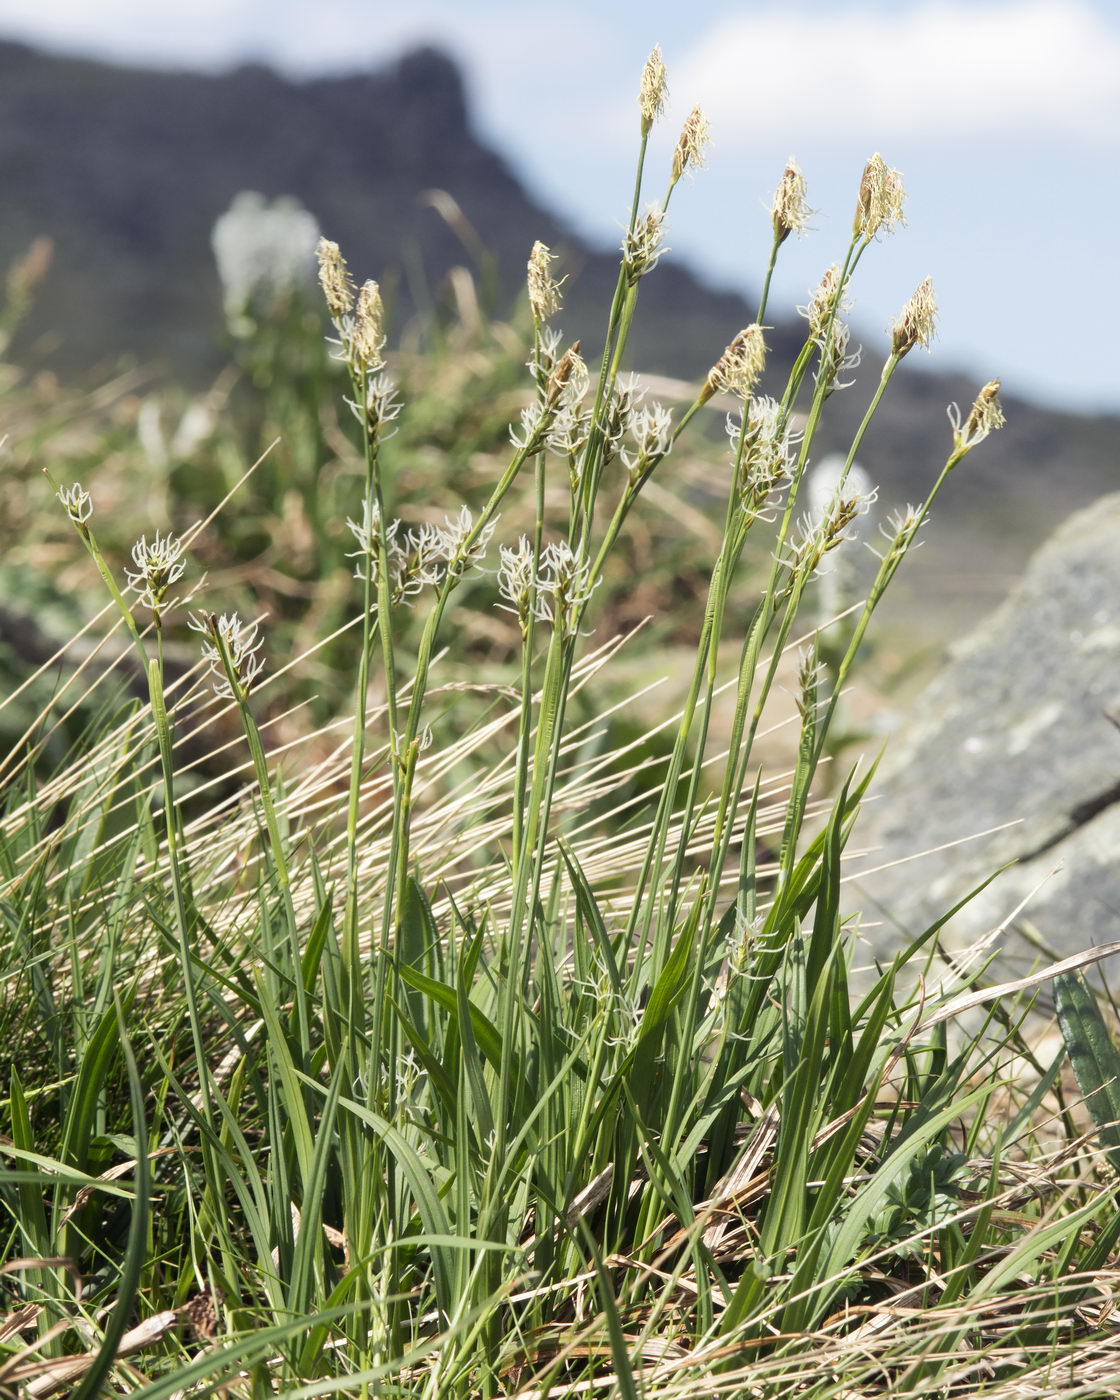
x: 197, y: 423
x: 265, y: 252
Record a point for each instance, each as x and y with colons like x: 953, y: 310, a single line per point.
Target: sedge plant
x: 420, y: 1054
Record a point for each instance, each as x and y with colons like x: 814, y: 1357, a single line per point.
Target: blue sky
x: 1003, y: 115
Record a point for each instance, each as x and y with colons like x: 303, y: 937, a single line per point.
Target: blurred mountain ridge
x: 126, y: 169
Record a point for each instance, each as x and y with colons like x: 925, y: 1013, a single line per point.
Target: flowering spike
x: 516, y: 579
x: 788, y: 210
x: 380, y: 408
x: 763, y: 449
x: 653, y: 90
x: 242, y: 643
x: 643, y: 245
x: 881, y: 197
x: 158, y: 566
x: 462, y: 547
x: 570, y: 365
x: 544, y: 291
x: 984, y: 417
x: 691, y: 145
x: 837, y: 358
x: 737, y: 370
x: 652, y: 430
x: 915, y: 322
x: 335, y: 280
x: 563, y: 587
x: 822, y: 301
x: 77, y: 503
x: 367, y: 335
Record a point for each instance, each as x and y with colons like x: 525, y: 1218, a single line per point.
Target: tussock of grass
x: 462, y: 1040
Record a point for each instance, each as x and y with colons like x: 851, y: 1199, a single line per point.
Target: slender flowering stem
x: 764, y: 299
x: 79, y: 510
x: 240, y: 668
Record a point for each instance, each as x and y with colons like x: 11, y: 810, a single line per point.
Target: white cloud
x: 126, y: 29
x: 498, y: 37
x: 939, y: 70
x: 859, y: 70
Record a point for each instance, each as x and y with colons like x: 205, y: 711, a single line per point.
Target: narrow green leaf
x: 1093, y: 1056
x: 309, y: 1245
x: 120, y: 1319
x: 484, y: 1030
x: 81, y: 1115
x: 591, y: 914
x: 419, y: 1176
x: 316, y: 941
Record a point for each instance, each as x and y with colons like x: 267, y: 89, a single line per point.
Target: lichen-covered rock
x: 1017, y: 733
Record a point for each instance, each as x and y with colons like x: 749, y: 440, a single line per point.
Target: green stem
x: 739, y: 751
x: 886, y: 573
x: 612, y: 350
x: 398, y: 860
x: 351, y: 954
x: 525, y: 719
x: 272, y: 827
x: 775, y: 245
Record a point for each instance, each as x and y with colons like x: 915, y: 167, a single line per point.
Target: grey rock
x: 1016, y: 729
